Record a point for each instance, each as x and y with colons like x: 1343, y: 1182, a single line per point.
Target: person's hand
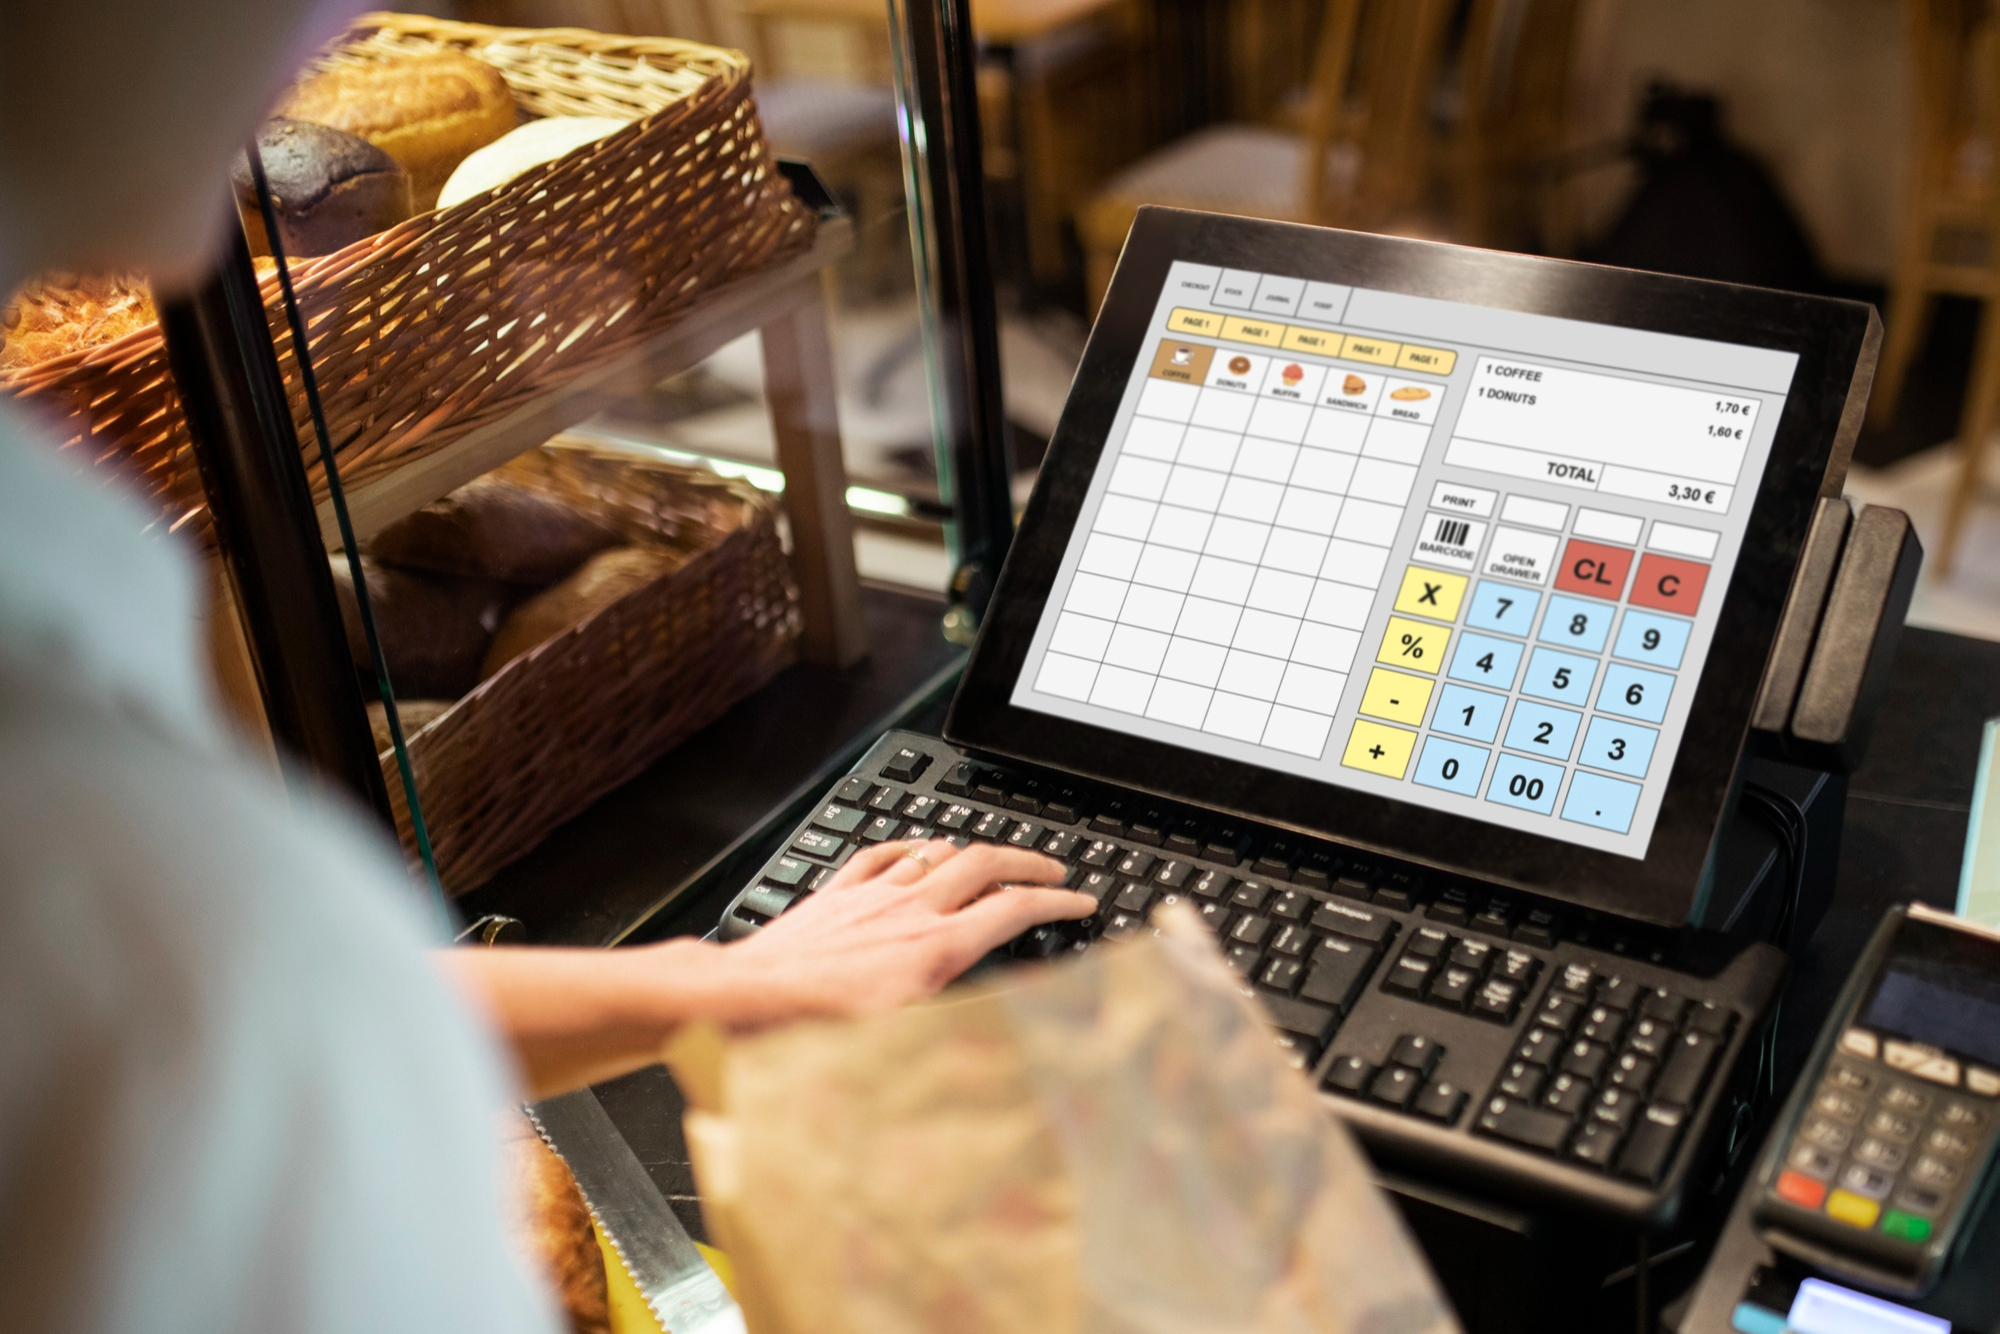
x: 894, y: 925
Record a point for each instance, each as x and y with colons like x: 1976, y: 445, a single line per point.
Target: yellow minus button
x: 1239, y: 330
x: 1398, y: 697
x: 1433, y: 359
x: 1316, y: 341
x: 1846, y: 1207
x: 1378, y: 749
x: 1371, y: 349
x: 1184, y: 320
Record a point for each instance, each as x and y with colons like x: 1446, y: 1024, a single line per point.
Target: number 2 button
x: 1634, y: 693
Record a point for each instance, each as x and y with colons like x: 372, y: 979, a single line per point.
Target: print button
x: 1666, y: 583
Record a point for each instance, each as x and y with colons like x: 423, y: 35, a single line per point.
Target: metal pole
x: 936, y: 68
x: 233, y: 395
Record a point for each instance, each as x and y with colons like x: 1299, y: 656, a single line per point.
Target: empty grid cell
x: 1252, y: 674
x: 1209, y: 621
x: 1224, y: 580
x: 1529, y: 785
x: 1339, y: 604
x: 1502, y: 607
x: 1164, y: 567
x: 1151, y: 438
x: 1080, y: 636
x: 1191, y: 488
x: 1125, y: 516
x: 1281, y: 591
x: 1152, y: 608
x: 1326, y: 646
x: 1299, y: 731
x: 1143, y: 478
x: 1267, y: 633
x: 1311, y: 688
x: 1112, y: 557
x: 1223, y: 410
x: 1566, y: 677
x: 1318, y: 470
x: 1094, y: 595
x: 1193, y: 661
x: 1168, y: 400
x: 1622, y: 747
x: 1607, y: 803
x: 1179, y: 703
x: 1275, y: 419
x: 1268, y: 460
x: 1658, y: 641
x: 1214, y: 450
x: 1354, y: 563
x: 1388, y: 483
x: 1451, y: 766
x: 1398, y: 442
x: 1634, y: 692
x: 1309, y: 511
x: 1237, y: 716
x: 1178, y: 526
x: 1248, y: 498
x: 1122, y: 689
x: 1575, y: 623
x: 1299, y: 552
x: 1066, y: 677
x: 1337, y: 429
x: 1484, y: 660
x: 1465, y: 712
x: 1238, y: 539
x: 1137, y: 648
x: 1538, y: 729
x: 1368, y: 521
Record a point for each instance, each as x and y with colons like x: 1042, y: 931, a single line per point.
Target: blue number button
x: 1503, y: 607
x: 1468, y: 713
x: 1452, y: 766
x: 1484, y: 660
x: 1607, y: 803
x: 1541, y: 730
x: 1623, y: 748
x: 1528, y: 784
x: 1634, y: 692
x: 1553, y: 674
x: 1657, y: 641
x: 1574, y: 623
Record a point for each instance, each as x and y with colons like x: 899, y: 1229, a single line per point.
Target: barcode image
x: 1451, y: 532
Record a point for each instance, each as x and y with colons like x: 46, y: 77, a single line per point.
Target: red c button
x: 1593, y: 569
x: 1666, y: 584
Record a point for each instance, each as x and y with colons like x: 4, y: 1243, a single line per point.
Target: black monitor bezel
x: 1834, y: 341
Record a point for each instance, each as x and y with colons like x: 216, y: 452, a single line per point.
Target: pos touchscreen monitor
x: 1470, y: 558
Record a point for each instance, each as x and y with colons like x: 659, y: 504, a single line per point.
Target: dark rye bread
x: 497, y: 529
x: 330, y: 188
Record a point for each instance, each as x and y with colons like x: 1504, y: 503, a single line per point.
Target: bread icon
x: 1354, y: 386
x: 1411, y: 393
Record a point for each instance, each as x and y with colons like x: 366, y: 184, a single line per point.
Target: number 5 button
x: 1633, y: 692
x: 1553, y: 674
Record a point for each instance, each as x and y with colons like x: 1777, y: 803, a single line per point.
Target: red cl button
x: 1666, y: 584
x: 1593, y: 570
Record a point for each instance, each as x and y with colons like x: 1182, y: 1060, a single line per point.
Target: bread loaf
x: 60, y: 313
x: 554, y: 1231
x: 426, y: 111
x: 605, y: 579
x: 496, y: 529
x: 531, y: 145
x: 434, y: 630
x: 329, y: 188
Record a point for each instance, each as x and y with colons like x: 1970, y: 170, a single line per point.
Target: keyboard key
x: 886, y: 799
x: 820, y: 844
x: 1026, y: 797
x: 1344, y: 919
x: 1472, y: 954
x: 955, y: 817
x: 1617, y: 1107
x: 1409, y: 975
x: 853, y: 791
x: 881, y: 829
x: 1290, y: 905
x: 1560, y: 1012
x: 1100, y: 853
x: 1186, y: 838
x: 1827, y: 1135
x: 1250, y: 929
x: 1518, y: 967
x: 1291, y: 940
x: 1123, y: 924
x: 1664, y: 1005
x: 1521, y: 1080
x: 1681, y: 1077
x: 1172, y: 874
x: 1872, y: 1151
x: 1136, y: 864
x: 1339, y: 970
x: 1596, y: 1145
x: 1530, y: 1126
x: 989, y: 787
x: 1350, y: 1075
x: 1299, y: 1053
x: 1225, y: 846
x: 1062, y: 845
x: 1317, y: 870
x: 1250, y: 894
x: 1027, y: 834
x: 788, y: 871
x: 1449, y: 910
x: 1576, y: 979
x: 1150, y: 827
x: 958, y: 780
x: 1540, y: 1047
x: 1428, y: 942
x: 1651, y: 1144
x: 1452, y: 989
x: 1586, y: 1059
x: 1401, y: 897
x: 1212, y: 884
x: 1417, y: 1051
x: 1243, y: 958
x: 1633, y: 1072
x: 1396, y: 1086
x: 992, y: 826
x: 839, y: 819
x: 1214, y: 916
x: 1493, y: 919
x: 1650, y: 1038
x: 1603, y: 1024
x: 1539, y: 928
x: 1065, y: 806
x: 1134, y: 897
x: 1620, y: 993
x: 1897, y: 1097
x: 1497, y: 999
x: 1708, y: 1017
x: 922, y: 808
x: 1440, y: 1101
x: 1308, y: 1020
x: 1567, y: 1094
x: 768, y: 900
x: 1281, y: 975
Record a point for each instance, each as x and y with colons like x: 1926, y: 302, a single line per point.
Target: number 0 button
x: 1452, y: 766
x: 1527, y: 784
x: 1633, y: 692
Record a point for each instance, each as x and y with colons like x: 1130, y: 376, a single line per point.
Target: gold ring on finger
x: 919, y: 859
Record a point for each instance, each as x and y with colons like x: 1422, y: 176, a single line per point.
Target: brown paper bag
x: 1110, y: 1145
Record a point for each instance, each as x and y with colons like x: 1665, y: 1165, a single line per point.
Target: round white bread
x: 516, y: 151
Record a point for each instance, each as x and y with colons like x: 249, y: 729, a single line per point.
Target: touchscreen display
x: 1457, y: 556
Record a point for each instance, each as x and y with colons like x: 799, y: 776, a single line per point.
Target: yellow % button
x: 1413, y: 645
x: 1397, y: 696
x: 1378, y: 749
x: 1431, y: 593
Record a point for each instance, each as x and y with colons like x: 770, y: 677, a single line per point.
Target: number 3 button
x: 1632, y: 692
x: 1623, y: 748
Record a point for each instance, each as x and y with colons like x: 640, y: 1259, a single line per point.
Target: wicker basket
x: 587, y: 710
x: 453, y: 318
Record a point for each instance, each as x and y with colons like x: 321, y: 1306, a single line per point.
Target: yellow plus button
x: 1378, y: 749
x: 1430, y: 593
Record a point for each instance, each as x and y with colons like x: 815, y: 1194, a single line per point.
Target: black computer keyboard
x: 1485, y: 1038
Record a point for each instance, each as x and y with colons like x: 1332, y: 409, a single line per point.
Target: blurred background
x: 1834, y: 146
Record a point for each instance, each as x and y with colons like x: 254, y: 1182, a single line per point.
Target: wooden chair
x: 1950, y: 242
x: 1516, y: 87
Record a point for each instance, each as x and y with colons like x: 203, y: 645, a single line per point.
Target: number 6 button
x: 1633, y: 692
